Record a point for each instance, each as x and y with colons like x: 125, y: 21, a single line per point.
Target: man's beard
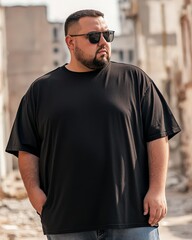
x: 91, y: 63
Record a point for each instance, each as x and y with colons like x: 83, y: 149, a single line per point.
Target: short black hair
x: 74, y: 17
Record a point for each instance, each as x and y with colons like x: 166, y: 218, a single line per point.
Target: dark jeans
x: 141, y: 233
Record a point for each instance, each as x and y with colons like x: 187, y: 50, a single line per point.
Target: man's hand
x: 155, y: 205
x: 37, y: 198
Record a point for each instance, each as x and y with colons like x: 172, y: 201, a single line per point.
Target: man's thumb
x: 146, y: 209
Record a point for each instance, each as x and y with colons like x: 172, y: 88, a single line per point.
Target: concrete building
x: 123, y: 49
x: 5, y: 161
x: 59, y: 48
x: 150, y: 36
x: 30, y: 46
x: 34, y: 47
x: 181, y: 78
x: 124, y: 45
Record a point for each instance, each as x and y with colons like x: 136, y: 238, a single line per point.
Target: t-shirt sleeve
x: 158, y: 120
x: 24, y: 135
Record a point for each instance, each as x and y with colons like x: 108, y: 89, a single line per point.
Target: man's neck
x: 77, y: 68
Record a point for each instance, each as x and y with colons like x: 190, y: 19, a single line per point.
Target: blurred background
x: 155, y: 35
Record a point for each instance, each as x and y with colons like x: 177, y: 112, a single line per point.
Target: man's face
x: 86, y: 54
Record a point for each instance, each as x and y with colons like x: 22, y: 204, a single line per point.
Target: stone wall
x: 32, y: 48
x: 5, y: 161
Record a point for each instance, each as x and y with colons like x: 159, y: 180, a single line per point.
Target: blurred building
x: 5, y: 162
x: 30, y: 46
x: 181, y: 73
x: 124, y: 45
x: 149, y: 36
x: 34, y: 47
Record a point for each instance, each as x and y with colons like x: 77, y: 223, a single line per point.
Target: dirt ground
x: 18, y: 221
x: 177, y: 225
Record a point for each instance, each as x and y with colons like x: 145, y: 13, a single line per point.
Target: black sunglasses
x: 94, y: 37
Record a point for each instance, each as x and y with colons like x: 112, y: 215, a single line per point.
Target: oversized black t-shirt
x: 90, y: 132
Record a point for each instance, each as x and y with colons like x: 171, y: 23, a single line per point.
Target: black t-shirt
x: 90, y: 132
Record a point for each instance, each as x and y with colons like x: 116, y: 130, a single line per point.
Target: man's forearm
x: 158, y: 155
x: 29, y: 169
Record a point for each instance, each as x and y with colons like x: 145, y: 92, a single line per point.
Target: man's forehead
x: 87, y: 24
x: 92, y: 22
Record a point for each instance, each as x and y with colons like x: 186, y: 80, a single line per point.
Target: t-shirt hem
x: 96, y: 227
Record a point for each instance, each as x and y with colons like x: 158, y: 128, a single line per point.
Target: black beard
x: 93, y: 64
x: 98, y: 64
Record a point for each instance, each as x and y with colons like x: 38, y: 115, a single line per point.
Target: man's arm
x: 29, y: 169
x: 155, y: 201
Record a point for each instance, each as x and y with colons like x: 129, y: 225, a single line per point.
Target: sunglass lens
x: 94, y: 37
x: 109, y: 36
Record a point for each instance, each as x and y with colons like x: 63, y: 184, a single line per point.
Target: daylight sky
x: 58, y: 10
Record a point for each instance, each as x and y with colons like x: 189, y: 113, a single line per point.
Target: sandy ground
x: 18, y: 221
x: 177, y: 225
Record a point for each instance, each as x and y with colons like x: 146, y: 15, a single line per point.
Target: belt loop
x: 100, y: 233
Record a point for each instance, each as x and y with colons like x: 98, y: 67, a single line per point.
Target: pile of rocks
x: 12, y: 186
x: 18, y: 221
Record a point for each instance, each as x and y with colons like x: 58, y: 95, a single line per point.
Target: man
x: 92, y: 141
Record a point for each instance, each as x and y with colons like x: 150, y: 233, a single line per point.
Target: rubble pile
x: 12, y: 186
x: 18, y: 221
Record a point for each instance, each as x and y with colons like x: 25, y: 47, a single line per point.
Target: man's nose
x: 102, y: 40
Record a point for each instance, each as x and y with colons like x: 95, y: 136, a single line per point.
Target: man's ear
x: 70, y: 42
